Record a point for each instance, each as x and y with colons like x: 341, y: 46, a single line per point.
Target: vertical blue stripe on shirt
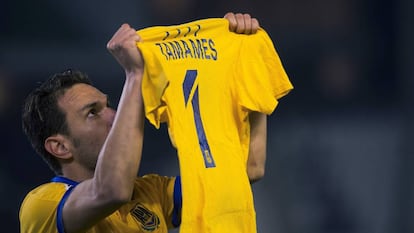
x: 176, y: 218
x: 188, y: 85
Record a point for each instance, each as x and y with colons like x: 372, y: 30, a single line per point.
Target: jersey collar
x: 65, y: 180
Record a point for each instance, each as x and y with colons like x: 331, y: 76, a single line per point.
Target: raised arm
x: 119, y: 159
x: 257, y: 150
x: 245, y: 24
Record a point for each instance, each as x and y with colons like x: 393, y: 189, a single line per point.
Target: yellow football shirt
x: 151, y: 209
x: 203, y: 81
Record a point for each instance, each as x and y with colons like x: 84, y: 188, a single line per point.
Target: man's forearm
x: 257, y: 148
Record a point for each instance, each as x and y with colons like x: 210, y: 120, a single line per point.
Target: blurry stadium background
x: 340, y: 150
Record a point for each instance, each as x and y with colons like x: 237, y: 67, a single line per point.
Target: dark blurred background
x: 339, y: 145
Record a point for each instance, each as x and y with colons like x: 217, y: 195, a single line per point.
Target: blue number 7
x: 188, y: 85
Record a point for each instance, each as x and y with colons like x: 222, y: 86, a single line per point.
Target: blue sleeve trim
x: 59, y: 217
x: 176, y: 218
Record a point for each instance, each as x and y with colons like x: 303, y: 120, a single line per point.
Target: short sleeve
x: 260, y: 77
x: 38, y: 212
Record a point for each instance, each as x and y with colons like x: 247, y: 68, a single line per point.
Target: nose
x: 110, y: 115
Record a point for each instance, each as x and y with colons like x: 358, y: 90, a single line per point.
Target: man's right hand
x: 123, y: 46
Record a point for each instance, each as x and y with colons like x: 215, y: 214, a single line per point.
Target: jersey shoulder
x: 49, y: 192
x: 39, y: 207
x: 153, y: 182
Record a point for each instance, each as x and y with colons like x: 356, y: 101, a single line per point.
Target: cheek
x: 97, y: 135
x: 92, y: 135
x: 90, y: 144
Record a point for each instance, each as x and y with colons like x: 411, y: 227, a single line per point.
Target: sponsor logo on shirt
x: 148, y: 219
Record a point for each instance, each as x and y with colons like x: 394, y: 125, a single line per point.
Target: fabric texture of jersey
x: 203, y: 81
x: 151, y: 208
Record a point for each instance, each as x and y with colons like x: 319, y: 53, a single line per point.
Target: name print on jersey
x: 197, y: 48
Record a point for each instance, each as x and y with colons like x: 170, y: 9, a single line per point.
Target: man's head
x: 66, y: 119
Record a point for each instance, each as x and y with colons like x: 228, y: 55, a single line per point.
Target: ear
x: 58, y: 145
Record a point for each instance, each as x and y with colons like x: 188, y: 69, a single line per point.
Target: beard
x: 87, y: 152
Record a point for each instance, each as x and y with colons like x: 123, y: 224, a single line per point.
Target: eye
x: 92, y: 112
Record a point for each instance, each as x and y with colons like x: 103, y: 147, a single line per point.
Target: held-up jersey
x: 155, y: 207
x: 203, y: 81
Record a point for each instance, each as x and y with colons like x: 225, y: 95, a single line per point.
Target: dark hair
x: 42, y: 116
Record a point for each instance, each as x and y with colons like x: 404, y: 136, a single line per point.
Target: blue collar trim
x: 65, y: 180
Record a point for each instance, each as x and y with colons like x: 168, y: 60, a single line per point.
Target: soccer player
x: 95, y: 152
x: 213, y: 88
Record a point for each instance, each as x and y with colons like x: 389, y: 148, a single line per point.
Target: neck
x: 76, y: 173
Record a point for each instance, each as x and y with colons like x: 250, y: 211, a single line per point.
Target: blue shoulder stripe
x: 59, y: 217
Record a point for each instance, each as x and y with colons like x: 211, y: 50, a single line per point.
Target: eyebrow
x: 93, y: 104
x: 88, y: 106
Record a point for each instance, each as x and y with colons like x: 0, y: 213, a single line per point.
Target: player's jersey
x: 203, y: 81
x: 151, y: 208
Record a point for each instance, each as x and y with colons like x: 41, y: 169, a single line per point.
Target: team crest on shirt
x: 148, y: 219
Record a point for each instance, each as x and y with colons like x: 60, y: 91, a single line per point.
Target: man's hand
x: 242, y: 23
x: 123, y: 46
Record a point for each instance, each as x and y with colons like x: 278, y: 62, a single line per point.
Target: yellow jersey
x: 154, y: 207
x: 203, y: 80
